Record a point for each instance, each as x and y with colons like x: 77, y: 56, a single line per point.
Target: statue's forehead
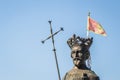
x: 76, y: 48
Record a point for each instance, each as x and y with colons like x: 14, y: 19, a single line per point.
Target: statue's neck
x: 82, y: 66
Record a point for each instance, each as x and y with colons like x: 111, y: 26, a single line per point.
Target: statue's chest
x: 81, y: 75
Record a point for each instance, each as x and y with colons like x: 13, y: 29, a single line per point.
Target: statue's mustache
x: 77, y: 58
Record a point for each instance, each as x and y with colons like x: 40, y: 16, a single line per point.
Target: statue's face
x: 78, y: 56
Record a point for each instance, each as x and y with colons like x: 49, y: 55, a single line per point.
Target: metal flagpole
x: 54, y: 49
x: 88, y: 25
x: 89, y: 59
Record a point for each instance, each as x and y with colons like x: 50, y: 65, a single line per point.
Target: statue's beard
x: 77, y: 62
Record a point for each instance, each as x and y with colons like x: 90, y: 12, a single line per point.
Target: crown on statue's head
x: 76, y: 40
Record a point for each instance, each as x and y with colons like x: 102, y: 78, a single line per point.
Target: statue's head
x: 79, y: 50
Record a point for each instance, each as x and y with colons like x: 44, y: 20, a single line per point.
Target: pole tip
x: 61, y: 29
x: 43, y: 42
x: 50, y: 22
x: 88, y: 13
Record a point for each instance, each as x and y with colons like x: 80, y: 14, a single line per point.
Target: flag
x: 95, y: 27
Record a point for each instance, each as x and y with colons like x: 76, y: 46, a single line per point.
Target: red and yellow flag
x: 95, y: 27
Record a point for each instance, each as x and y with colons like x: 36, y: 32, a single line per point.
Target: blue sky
x: 24, y: 23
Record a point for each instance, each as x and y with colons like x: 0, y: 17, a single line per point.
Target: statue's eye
x: 73, y: 52
x: 80, y: 54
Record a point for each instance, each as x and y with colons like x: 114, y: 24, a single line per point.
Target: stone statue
x: 80, y: 54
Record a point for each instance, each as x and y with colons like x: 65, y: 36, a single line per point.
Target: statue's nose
x: 78, y: 54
